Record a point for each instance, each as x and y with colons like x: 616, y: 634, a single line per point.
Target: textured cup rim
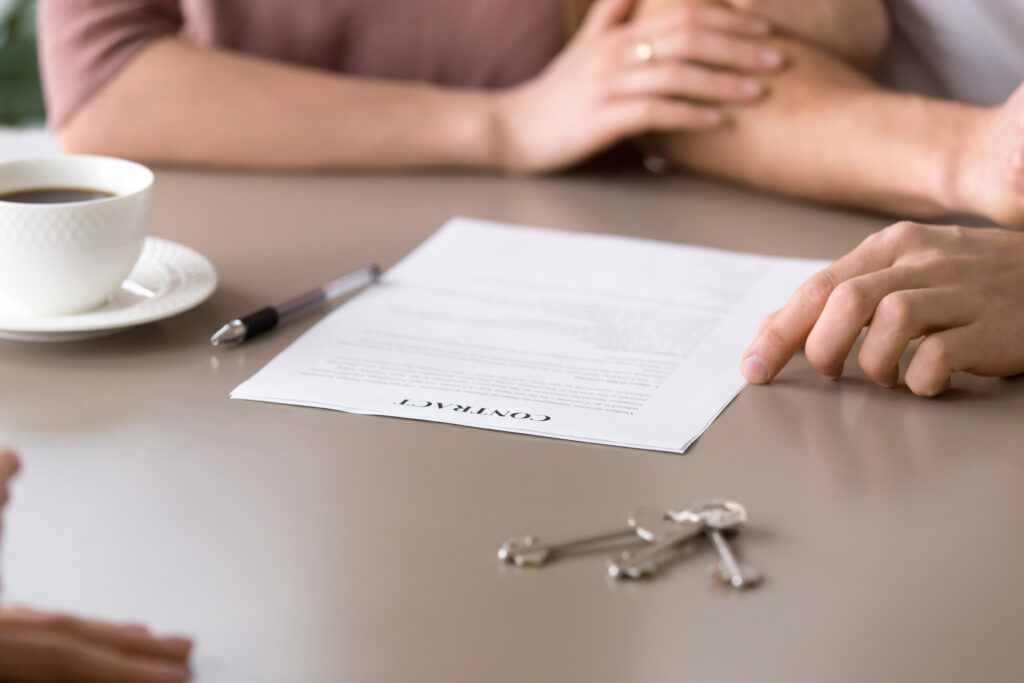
x: 147, y: 178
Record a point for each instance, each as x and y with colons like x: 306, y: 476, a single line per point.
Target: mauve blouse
x: 473, y: 43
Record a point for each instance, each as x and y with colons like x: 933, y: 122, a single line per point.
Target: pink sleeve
x: 84, y: 43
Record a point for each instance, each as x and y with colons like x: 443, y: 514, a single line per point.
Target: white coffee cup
x: 67, y: 258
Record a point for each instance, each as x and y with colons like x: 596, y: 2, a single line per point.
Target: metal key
x: 645, y: 524
x: 725, y: 515
x: 711, y: 514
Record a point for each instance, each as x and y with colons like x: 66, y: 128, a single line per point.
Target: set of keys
x: 665, y: 532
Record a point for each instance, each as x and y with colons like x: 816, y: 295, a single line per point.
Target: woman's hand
x: 962, y: 289
x: 855, y: 30
x: 36, y: 646
x: 615, y: 80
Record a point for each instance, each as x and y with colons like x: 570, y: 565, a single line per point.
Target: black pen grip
x: 260, y: 321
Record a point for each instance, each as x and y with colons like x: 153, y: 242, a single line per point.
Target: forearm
x: 856, y: 31
x: 179, y: 103
x: 861, y: 30
x: 827, y: 133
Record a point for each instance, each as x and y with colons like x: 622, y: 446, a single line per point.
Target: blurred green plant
x: 21, y: 96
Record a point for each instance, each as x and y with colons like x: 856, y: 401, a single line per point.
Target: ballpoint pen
x: 247, y: 327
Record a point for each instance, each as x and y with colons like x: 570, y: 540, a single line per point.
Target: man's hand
x: 36, y: 646
x: 855, y: 30
x: 962, y: 289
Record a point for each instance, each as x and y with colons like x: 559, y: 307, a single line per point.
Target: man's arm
x: 856, y: 31
x: 827, y: 133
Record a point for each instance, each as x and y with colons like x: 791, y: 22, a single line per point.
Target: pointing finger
x: 787, y: 330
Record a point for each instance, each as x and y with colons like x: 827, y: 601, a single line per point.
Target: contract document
x: 604, y: 339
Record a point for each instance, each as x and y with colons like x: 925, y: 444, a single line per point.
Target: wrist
x: 465, y: 132
x: 508, y: 153
x: 927, y: 162
x: 959, y: 147
x: 481, y: 130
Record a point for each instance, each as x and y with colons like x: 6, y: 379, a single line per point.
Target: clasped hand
x: 616, y: 80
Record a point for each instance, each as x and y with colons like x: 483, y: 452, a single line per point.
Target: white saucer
x: 168, y: 279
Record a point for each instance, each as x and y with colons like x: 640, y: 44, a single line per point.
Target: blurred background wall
x: 21, y: 98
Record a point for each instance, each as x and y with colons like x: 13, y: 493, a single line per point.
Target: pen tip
x: 233, y: 331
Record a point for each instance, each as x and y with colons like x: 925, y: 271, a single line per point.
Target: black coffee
x: 54, y: 195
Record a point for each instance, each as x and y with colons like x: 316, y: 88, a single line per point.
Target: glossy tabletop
x: 301, y: 545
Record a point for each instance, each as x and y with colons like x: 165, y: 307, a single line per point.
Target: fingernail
x: 178, y: 641
x: 754, y: 370
x: 748, y: 87
x: 770, y: 58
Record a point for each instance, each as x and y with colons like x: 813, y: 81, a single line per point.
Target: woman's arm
x: 175, y: 102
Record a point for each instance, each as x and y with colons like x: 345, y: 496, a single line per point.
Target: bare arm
x: 175, y: 102
x: 180, y: 103
x: 829, y: 134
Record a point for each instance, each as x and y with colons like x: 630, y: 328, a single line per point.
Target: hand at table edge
x: 960, y: 290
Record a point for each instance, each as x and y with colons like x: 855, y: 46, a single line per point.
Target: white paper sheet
x: 595, y: 338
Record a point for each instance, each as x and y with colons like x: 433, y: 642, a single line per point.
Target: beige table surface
x: 302, y: 545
